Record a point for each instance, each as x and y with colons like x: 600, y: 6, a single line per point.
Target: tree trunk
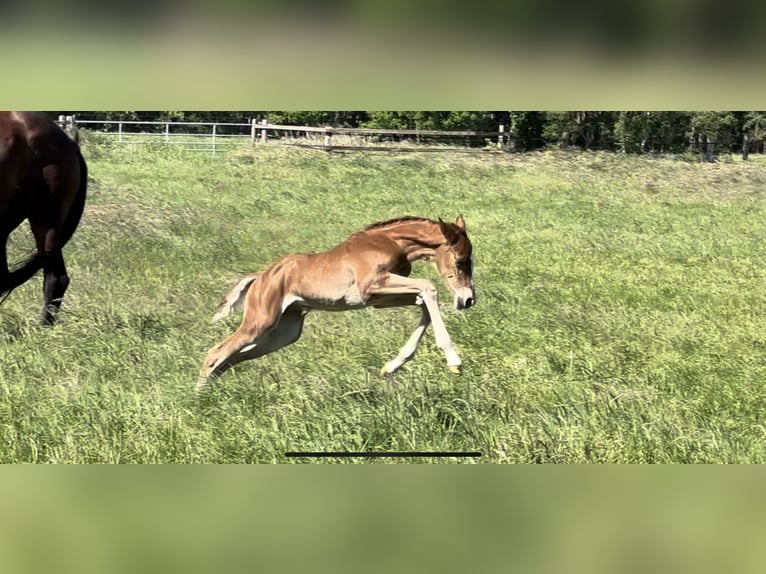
x: 512, y: 142
x: 745, y: 146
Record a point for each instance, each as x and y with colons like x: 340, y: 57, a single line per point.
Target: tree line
x: 708, y: 133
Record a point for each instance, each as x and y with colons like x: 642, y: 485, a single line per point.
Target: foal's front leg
x: 409, y: 348
x: 392, y: 284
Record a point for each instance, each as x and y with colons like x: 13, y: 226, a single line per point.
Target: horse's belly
x: 353, y: 297
x: 349, y: 299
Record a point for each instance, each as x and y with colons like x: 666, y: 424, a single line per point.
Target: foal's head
x: 454, y: 259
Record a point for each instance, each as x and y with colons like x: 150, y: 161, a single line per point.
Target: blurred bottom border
x: 383, y: 518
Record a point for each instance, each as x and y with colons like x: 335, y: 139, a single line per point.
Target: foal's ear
x: 448, y: 231
x: 460, y: 222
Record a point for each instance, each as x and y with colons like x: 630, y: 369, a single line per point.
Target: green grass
x: 620, y: 316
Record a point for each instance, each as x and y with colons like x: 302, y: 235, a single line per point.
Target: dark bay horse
x: 370, y: 269
x: 43, y: 179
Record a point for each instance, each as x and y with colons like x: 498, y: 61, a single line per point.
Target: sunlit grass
x: 620, y: 316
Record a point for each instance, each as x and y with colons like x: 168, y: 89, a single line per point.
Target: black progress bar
x: 402, y: 454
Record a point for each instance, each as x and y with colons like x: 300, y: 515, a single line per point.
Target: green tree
x: 711, y: 132
x: 429, y: 120
x: 754, y: 131
x: 586, y: 130
x: 632, y: 131
x: 649, y: 131
x: 527, y: 129
x: 387, y: 120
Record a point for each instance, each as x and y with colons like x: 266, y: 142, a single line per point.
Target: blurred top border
x: 265, y: 63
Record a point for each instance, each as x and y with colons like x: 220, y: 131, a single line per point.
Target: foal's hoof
x: 385, y: 373
x: 202, y: 382
x: 457, y: 369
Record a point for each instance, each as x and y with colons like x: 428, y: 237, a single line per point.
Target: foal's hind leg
x: 253, y: 339
x: 287, y: 331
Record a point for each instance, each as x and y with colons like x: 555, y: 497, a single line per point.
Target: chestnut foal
x: 370, y: 269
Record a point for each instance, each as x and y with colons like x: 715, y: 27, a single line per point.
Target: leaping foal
x: 370, y: 269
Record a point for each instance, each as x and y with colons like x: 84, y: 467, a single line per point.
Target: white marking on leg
x: 287, y: 331
x: 289, y: 300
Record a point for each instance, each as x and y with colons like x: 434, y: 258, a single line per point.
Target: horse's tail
x: 20, y: 275
x: 73, y: 216
x: 235, y: 297
x: 27, y: 267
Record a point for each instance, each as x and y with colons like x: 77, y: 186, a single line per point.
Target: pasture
x: 620, y: 317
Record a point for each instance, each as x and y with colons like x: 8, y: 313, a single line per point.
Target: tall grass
x: 620, y: 315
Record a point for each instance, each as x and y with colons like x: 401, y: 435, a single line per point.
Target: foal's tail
x: 235, y: 297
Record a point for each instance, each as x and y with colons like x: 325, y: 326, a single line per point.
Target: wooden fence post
x: 72, y: 130
x: 252, y: 131
x: 119, y: 132
x: 328, y: 138
x: 710, y: 151
x: 500, y: 137
x: 214, y: 126
x: 167, y: 133
x: 263, y: 131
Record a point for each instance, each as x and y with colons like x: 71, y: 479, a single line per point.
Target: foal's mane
x: 405, y: 219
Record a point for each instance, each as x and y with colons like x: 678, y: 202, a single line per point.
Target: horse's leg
x: 4, y: 271
x: 55, y: 278
x: 409, y: 348
x: 392, y: 284
x: 55, y: 284
x: 262, y: 315
x: 12, y: 220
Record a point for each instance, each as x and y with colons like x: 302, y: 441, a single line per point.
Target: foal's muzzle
x: 464, y: 300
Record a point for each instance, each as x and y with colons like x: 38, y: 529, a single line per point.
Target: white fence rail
x: 209, y: 136
x: 212, y: 136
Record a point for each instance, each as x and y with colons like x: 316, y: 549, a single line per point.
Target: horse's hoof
x: 457, y: 369
x: 385, y: 373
